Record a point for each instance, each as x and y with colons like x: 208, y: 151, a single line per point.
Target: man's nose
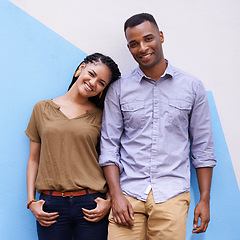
x: 143, y: 47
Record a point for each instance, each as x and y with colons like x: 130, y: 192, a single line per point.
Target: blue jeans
x: 70, y: 223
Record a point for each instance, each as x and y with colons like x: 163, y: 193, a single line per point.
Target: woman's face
x: 93, y: 78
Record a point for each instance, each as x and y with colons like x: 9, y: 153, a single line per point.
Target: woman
x: 63, y: 161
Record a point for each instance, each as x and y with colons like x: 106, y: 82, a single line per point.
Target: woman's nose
x: 92, y: 82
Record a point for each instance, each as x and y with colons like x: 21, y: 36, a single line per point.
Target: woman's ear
x: 77, y: 73
x: 80, y: 68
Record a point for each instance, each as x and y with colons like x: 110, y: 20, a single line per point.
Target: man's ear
x: 161, y: 36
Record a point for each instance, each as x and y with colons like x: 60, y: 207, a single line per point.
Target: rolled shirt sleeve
x: 112, y: 128
x: 202, y: 147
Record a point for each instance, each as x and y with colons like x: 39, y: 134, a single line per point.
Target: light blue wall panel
x: 225, y: 194
x: 35, y: 64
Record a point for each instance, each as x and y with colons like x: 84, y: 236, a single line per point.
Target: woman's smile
x: 88, y: 87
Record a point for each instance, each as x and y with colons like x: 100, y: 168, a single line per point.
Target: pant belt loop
x: 86, y: 190
x: 50, y: 195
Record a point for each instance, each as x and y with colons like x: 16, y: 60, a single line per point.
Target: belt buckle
x: 70, y: 194
x: 63, y: 194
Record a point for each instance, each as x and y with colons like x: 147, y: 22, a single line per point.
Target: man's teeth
x: 146, y: 56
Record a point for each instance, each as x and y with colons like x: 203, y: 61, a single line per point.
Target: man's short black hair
x: 138, y: 19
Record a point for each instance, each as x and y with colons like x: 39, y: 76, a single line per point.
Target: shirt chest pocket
x: 179, y: 111
x: 134, y: 114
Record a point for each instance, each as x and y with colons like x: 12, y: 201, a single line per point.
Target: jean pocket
x: 96, y: 195
x: 46, y: 199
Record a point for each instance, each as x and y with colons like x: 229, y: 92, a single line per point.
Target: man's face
x: 145, y: 44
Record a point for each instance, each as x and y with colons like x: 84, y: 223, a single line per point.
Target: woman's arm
x: 45, y: 219
x: 32, y: 169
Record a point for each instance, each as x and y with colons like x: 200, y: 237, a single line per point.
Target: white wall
x: 201, y: 37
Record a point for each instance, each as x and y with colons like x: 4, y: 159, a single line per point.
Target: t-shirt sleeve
x: 32, y: 128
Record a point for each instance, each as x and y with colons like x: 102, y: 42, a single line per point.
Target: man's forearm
x: 204, y: 176
x: 202, y: 210
x: 111, y: 173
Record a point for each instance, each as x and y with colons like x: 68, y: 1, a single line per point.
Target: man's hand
x: 122, y: 211
x: 121, y: 208
x: 45, y: 219
x: 202, y: 211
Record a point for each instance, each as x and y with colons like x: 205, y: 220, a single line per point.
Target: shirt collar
x: 168, y: 72
x: 53, y: 104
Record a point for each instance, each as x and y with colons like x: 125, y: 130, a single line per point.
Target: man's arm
x: 121, y: 208
x: 203, y: 158
x: 202, y: 210
x: 109, y: 159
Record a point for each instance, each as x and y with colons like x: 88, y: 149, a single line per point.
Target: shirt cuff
x: 204, y: 162
x: 103, y: 162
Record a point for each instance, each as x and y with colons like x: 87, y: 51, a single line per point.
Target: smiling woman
x: 98, y: 100
x: 74, y: 202
x: 92, y: 79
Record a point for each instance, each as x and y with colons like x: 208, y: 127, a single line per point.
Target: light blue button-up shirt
x: 147, y: 129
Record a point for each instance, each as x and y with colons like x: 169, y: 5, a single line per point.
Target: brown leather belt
x: 70, y: 194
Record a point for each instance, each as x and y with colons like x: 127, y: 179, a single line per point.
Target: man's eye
x: 149, y: 39
x: 91, y: 74
x: 132, y: 45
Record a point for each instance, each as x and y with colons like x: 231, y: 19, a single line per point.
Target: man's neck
x: 156, y: 71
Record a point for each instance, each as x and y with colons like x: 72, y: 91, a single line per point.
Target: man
x: 153, y: 117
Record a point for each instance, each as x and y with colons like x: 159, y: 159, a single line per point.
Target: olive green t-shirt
x: 68, y: 155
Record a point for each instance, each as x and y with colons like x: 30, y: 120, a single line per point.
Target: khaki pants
x: 161, y: 221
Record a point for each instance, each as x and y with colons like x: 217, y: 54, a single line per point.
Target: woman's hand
x: 98, y: 213
x: 45, y: 219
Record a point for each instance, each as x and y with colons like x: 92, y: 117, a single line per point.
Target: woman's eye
x: 102, y: 84
x: 91, y: 74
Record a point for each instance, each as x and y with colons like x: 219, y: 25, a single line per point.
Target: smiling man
x: 153, y: 118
